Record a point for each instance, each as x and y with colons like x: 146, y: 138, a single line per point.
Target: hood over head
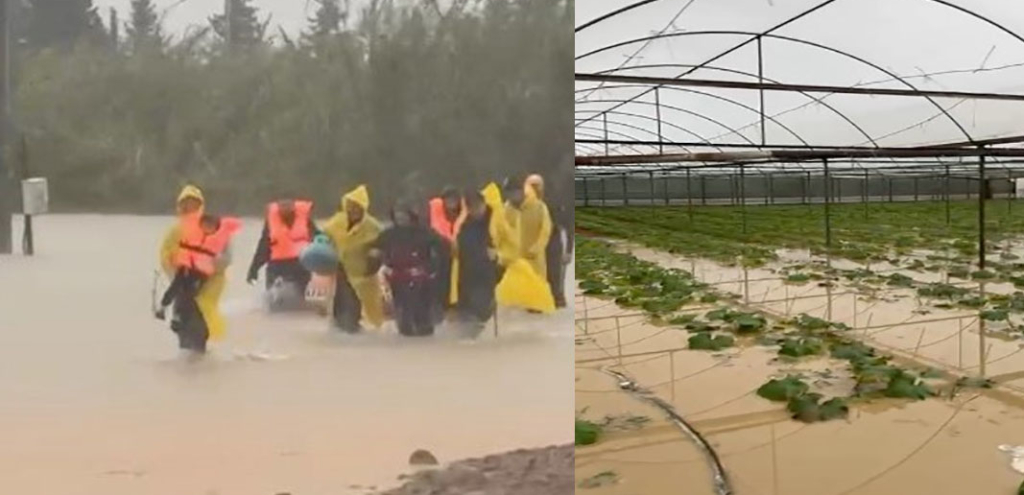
x: 192, y: 192
x: 359, y: 196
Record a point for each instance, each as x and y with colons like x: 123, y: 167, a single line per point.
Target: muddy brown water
x: 937, y: 446
x: 97, y: 400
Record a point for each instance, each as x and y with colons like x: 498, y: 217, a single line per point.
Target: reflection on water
x: 95, y: 398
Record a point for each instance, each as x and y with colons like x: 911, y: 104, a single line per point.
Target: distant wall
x: 783, y: 189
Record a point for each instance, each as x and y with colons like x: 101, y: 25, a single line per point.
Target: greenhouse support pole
x: 948, y: 216
x: 703, y: 192
x: 743, y: 197
x: 625, y: 191
x: 667, y: 184
x: 828, y: 219
x: 760, y: 79
x: 1009, y: 196
x: 864, y: 194
x: 650, y: 175
x: 605, y: 120
x: 839, y: 189
x: 890, y: 189
x: 981, y: 261
x: 657, y: 110
x: 586, y: 191
x: 805, y: 187
x: 6, y: 206
x: 689, y: 196
x: 767, y: 188
x: 604, y: 192
x: 828, y: 239
x: 771, y: 187
x: 915, y: 189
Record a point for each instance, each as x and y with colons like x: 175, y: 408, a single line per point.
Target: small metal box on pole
x: 35, y: 200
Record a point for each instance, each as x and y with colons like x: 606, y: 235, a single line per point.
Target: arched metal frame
x: 612, y: 113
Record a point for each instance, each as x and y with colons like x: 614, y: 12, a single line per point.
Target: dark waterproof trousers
x: 348, y: 310
x: 556, y: 270
x: 189, y: 324
x: 290, y: 271
x: 415, y: 305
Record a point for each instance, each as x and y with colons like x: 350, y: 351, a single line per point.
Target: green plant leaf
x: 682, y: 320
x: 721, y: 314
x: 705, y: 342
x: 801, y: 347
x: 798, y: 278
x: 904, y: 385
x: 808, y: 409
x: 587, y: 433
x: 983, y: 275
x: 784, y: 389
x: 749, y: 323
x: 995, y: 315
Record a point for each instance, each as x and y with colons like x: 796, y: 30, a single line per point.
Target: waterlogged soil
x: 94, y: 398
x: 937, y: 446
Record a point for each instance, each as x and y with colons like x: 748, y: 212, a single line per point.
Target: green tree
x: 243, y: 28
x: 329, y: 18
x: 402, y: 102
x: 144, y: 30
x: 62, y: 23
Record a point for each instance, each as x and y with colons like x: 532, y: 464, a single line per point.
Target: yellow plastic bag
x: 522, y: 287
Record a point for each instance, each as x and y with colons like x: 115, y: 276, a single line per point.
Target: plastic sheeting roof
x: 930, y: 45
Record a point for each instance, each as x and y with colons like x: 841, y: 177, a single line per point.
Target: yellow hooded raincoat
x: 533, y: 223
x: 353, y: 243
x: 521, y: 286
x: 209, y: 295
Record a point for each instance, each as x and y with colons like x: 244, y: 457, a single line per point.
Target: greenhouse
x: 799, y: 232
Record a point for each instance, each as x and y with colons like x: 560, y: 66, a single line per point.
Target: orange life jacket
x: 199, y: 251
x: 286, y: 243
x: 439, y: 220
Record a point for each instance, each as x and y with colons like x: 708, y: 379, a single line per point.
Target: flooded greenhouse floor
x: 941, y: 445
x: 97, y: 400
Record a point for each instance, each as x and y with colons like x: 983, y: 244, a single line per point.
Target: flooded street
x: 95, y: 398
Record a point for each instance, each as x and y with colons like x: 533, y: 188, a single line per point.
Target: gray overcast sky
x: 905, y: 37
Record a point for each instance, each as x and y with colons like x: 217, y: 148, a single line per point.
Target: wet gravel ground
x: 547, y: 471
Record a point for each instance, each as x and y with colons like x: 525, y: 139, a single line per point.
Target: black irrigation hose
x: 721, y: 482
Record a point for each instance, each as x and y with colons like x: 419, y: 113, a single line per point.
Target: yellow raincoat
x: 209, y: 295
x: 353, y: 244
x: 533, y: 223
x: 521, y: 286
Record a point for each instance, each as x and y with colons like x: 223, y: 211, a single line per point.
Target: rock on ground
x: 547, y: 471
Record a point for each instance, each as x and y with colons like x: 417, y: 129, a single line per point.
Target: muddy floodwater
x: 94, y: 397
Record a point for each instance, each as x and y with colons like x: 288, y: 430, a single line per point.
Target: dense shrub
x: 405, y: 101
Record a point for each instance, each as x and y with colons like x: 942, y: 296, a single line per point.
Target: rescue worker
x: 287, y: 229
x: 357, y: 294
x: 476, y: 241
x: 412, y: 255
x: 203, y: 240
x: 189, y: 208
x: 528, y: 215
x: 555, y: 253
x: 444, y: 212
x: 521, y: 286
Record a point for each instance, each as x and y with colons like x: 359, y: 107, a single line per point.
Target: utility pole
x: 115, y: 34
x: 6, y: 201
x: 227, y: 23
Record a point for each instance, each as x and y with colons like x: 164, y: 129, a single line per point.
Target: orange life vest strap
x: 439, y: 220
